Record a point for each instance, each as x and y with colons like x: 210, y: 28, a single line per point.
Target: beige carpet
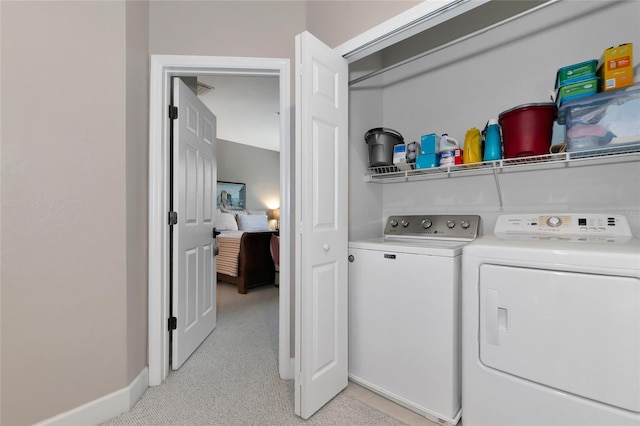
x: 232, y: 378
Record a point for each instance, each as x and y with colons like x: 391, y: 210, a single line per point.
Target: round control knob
x: 465, y: 224
x: 554, y: 221
x: 393, y: 223
x: 450, y: 224
x: 404, y: 223
x: 426, y: 223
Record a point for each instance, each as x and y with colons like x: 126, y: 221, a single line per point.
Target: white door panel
x: 321, y: 224
x: 194, y: 177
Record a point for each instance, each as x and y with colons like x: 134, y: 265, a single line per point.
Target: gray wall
x: 465, y: 85
x: 258, y: 168
x: 137, y: 184
x: 73, y: 206
x: 335, y: 22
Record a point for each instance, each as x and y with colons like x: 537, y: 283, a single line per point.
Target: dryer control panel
x: 565, y: 224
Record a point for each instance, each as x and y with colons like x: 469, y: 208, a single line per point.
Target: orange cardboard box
x: 615, y: 67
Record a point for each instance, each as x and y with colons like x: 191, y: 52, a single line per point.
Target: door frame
x: 162, y: 69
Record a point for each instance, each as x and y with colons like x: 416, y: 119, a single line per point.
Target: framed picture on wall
x: 231, y: 195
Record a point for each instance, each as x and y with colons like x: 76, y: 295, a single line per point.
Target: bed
x: 244, y: 258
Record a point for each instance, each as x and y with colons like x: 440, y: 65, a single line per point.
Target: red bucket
x: 527, y: 129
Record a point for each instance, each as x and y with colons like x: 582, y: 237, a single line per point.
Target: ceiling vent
x: 203, y: 89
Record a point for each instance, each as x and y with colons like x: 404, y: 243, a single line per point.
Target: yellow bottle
x: 471, y: 149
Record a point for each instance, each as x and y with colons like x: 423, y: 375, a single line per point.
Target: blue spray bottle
x: 492, y: 141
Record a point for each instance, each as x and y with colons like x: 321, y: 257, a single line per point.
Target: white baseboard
x: 105, y: 408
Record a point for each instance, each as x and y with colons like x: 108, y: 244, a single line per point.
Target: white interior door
x: 194, y: 265
x: 321, y: 224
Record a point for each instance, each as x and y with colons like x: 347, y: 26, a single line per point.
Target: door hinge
x: 173, y: 112
x: 173, y: 323
x: 173, y: 218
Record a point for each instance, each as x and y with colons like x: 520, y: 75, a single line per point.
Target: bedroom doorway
x: 163, y: 68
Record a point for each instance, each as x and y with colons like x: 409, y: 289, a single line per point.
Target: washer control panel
x: 454, y: 227
x: 564, y: 224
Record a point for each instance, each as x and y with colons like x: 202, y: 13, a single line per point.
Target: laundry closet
x: 468, y: 69
x: 467, y: 65
x: 444, y: 71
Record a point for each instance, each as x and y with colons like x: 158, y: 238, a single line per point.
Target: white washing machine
x: 551, y: 322
x: 404, y: 312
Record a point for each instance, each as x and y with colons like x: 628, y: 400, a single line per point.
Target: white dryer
x: 551, y: 322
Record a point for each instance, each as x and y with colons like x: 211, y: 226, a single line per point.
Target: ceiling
x: 247, y: 109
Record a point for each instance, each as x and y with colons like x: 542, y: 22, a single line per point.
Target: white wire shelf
x: 622, y: 153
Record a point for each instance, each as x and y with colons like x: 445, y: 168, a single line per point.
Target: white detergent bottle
x: 449, y: 152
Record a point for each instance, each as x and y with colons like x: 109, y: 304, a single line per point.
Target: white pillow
x: 253, y: 222
x: 226, y: 222
x: 254, y: 212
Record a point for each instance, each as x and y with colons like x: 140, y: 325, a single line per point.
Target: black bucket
x: 381, y: 141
